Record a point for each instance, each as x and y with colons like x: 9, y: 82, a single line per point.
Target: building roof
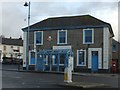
x: 10, y: 41
x: 69, y: 22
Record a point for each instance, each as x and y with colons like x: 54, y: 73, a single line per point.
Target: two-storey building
x: 89, y: 38
x: 11, y: 48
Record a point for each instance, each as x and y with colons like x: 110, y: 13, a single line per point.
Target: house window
x: 88, y: 36
x: 62, y: 37
x: 39, y: 38
x: 11, y: 46
x: 114, y: 48
x: 4, y: 48
x: 81, y: 57
x: 18, y: 48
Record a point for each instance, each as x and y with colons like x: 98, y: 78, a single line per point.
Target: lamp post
x: 27, y: 4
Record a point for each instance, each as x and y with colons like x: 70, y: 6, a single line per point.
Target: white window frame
x: 58, y: 41
x: 35, y: 38
x: 92, y: 36
x: 99, y: 57
x: 78, y: 58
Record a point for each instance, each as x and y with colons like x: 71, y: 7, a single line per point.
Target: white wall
x: 106, y: 35
x: 24, y: 48
x: 10, y: 51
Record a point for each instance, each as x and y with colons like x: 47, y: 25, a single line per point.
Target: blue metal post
x: 43, y: 56
x: 50, y: 62
x: 66, y: 60
x: 58, y: 62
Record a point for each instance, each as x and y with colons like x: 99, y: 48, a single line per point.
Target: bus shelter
x: 47, y: 59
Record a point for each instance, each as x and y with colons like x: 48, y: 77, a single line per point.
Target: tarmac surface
x: 80, y: 80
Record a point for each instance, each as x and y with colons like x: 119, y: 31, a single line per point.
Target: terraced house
x: 89, y: 38
x: 11, y: 49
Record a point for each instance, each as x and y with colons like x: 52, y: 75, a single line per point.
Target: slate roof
x: 115, y: 42
x: 10, y: 41
x: 69, y: 22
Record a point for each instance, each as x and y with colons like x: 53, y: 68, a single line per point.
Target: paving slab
x: 83, y: 85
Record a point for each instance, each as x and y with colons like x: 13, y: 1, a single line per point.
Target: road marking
x: 37, y: 86
x: 18, y: 77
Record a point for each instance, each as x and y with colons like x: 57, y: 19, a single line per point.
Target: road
x: 14, y: 79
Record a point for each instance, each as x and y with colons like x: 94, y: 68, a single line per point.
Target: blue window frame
x: 39, y: 38
x: 81, y: 57
x: 88, y: 36
x: 62, y: 37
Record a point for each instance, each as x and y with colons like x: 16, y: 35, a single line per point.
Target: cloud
x: 12, y: 19
x: 14, y: 13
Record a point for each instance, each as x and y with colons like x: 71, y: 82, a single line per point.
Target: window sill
x: 31, y: 64
x: 88, y: 43
x: 38, y: 44
x: 81, y: 65
x: 61, y: 43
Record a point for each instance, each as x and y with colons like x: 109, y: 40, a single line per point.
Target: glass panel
x: 114, y: 48
x: 88, y: 36
x: 62, y: 58
x: 62, y: 37
x: 38, y: 37
x: 81, y: 58
x: 95, y: 53
x: 46, y: 59
x: 54, y: 58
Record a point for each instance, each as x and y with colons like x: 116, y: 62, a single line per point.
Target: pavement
x: 72, y: 84
x: 55, y: 72
x: 83, y: 85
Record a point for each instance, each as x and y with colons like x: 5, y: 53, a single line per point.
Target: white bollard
x: 65, y: 75
x: 68, y: 71
x: 69, y: 75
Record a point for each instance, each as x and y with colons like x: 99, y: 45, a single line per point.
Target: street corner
x: 83, y: 85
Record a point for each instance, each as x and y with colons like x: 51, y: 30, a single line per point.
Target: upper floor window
x: 39, y: 38
x: 62, y: 37
x: 4, y: 48
x: 88, y: 36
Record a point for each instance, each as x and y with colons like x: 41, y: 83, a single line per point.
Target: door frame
x: 99, y: 57
x: 30, y: 57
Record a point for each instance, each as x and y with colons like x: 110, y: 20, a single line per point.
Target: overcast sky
x: 14, y: 14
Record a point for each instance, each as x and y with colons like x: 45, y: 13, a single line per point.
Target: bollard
x: 65, y: 75
x: 68, y: 71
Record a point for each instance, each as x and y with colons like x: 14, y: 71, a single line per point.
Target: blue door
x: 32, y: 58
x: 94, y: 61
x: 40, y: 63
